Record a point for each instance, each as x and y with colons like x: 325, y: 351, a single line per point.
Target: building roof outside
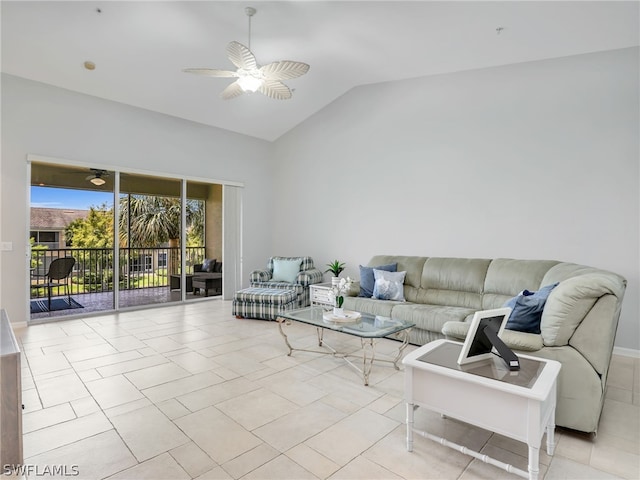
x: 54, y: 218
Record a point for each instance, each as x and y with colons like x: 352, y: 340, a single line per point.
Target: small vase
x: 335, y: 281
x: 338, y: 311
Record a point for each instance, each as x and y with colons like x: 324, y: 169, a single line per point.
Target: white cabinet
x: 319, y: 293
x: 11, y: 396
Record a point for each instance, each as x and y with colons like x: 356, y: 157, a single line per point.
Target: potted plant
x: 335, y: 268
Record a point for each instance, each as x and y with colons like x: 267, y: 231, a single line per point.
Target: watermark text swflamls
x: 41, y: 470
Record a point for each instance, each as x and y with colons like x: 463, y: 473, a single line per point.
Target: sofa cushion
x: 456, y: 282
x: 526, y: 309
x: 367, y: 280
x: 369, y: 305
x: 285, y: 270
x: 430, y: 317
x: 388, y: 285
x: 208, y: 265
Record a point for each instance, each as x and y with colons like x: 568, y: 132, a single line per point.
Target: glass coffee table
x: 370, y: 328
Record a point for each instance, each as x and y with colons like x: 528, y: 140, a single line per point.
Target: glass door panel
x: 71, y: 216
x: 150, y: 229
x: 204, y: 239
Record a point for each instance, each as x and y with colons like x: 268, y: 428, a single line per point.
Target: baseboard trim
x: 626, y: 352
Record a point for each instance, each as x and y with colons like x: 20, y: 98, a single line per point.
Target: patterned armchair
x: 308, y: 275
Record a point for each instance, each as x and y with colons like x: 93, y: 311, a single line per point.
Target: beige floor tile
x: 363, y: 469
x: 428, y: 460
x: 162, y: 344
x: 616, y: 455
x: 95, y: 457
x: 300, y: 393
x: 162, y: 467
x: 46, y: 417
x: 48, y: 363
x: 80, y: 354
x: 192, y: 459
x: 65, y: 433
x: 215, y: 394
x: 281, y: 468
x: 239, y: 363
x: 64, y: 388
x: 132, y: 365
x: 173, y: 409
x: 112, y: 391
x: 349, y: 437
x: 256, y: 408
x: 128, y: 407
x: 249, y: 461
x: 84, y: 406
x: 620, y: 420
x: 201, y: 425
x: 385, y: 403
x: 312, y: 461
x: 148, y: 432
x: 93, y: 363
x: 217, y: 473
x: 89, y: 375
x: 156, y: 375
x: 565, y: 469
x: 126, y: 342
x: 299, y: 425
x: 193, y: 362
x: 31, y: 400
x: 574, y: 446
x: 185, y: 385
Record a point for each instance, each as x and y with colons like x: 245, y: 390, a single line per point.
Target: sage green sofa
x: 578, y: 326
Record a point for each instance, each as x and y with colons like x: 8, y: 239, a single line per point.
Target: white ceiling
x: 140, y: 48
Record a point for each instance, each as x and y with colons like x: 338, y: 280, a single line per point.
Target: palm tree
x: 149, y: 221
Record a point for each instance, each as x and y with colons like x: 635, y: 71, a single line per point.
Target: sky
x: 48, y: 197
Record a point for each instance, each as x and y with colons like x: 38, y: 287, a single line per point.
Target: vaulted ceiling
x: 140, y: 48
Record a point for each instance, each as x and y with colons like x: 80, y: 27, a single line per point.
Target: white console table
x: 319, y: 294
x: 518, y: 405
x: 11, y: 396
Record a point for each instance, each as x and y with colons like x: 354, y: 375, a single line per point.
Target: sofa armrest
x: 197, y: 267
x: 309, y: 277
x: 525, y: 342
x: 260, y: 276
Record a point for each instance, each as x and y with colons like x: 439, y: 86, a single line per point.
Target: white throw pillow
x: 388, y: 285
x: 285, y: 270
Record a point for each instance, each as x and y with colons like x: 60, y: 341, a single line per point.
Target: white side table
x: 519, y: 405
x: 319, y: 294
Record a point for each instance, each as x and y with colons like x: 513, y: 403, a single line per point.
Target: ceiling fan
x: 250, y: 76
x: 97, y: 176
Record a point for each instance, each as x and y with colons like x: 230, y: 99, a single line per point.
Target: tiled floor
x: 189, y: 391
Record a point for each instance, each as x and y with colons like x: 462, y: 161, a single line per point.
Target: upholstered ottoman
x: 262, y: 303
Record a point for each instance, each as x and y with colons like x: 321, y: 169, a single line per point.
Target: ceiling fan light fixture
x: 97, y: 181
x: 250, y: 82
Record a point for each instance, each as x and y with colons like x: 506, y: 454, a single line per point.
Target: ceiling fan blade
x: 241, y: 56
x: 274, y: 89
x: 211, y: 72
x: 232, y: 91
x: 284, y: 70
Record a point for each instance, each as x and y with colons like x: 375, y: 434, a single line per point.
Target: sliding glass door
x: 160, y: 242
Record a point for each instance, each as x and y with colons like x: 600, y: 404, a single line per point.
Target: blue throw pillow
x: 367, y: 280
x: 526, y: 309
x: 285, y: 270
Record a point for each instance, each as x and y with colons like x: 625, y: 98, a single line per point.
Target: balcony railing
x: 94, y: 268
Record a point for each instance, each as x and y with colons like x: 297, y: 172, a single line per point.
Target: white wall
x: 537, y: 160
x: 45, y: 120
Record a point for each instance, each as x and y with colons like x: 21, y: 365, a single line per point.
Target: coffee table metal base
x: 367, y: 346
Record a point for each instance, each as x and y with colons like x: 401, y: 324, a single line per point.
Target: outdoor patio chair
x: 58, y: 275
